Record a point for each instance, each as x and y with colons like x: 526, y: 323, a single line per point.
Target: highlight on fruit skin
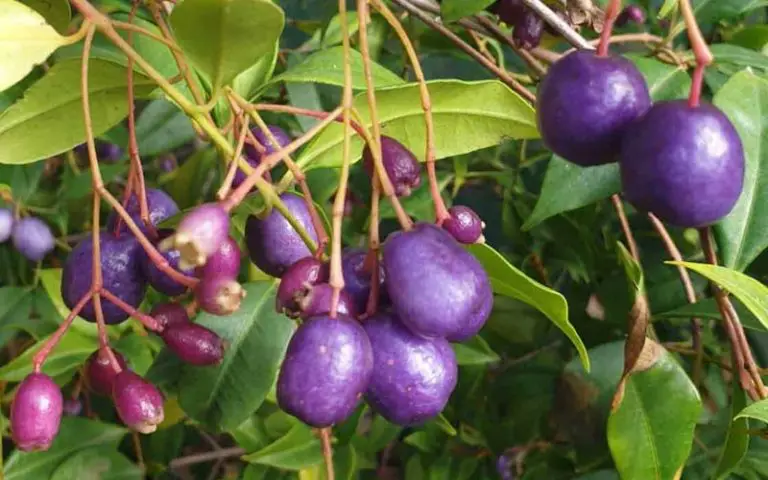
x: 194, y: 344
x: 199, y: 234
x: 36, y: 413
x: 138, y: 403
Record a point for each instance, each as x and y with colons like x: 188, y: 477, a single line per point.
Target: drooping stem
x: 146, y: 320
x: 441, y: 212
x: 622, y: 216
x: 226, y: 184
x: 611, y: 12
x: 39, y: 358
x: 701, y: 52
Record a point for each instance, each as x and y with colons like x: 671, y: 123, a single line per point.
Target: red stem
x: 148, y: 321
x: 700, y: 51
x: 39, y: 358
x: 611, y: 12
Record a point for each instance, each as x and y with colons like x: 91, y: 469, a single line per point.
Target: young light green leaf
x: 248, y: 82
x: 758, y: 411
x: 743, y: 234
x: 54, y: 105
x: 26, y: 40
x: 509, y: 281
x: 98, y: 463
x: 474, y: 351
x: 226, y: 394
x: 452, y: 10
x: 737, y: 440
x: 56, y: 12
x: 667, y: 8
x: 224, y: 37
x: 753, y: 294
x: 297, y: 449
x: 467, y: 116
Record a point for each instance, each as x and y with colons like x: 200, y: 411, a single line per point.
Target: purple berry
x: 224, y: 262
x: 296, y: 281
x: 139, y: 403
x: 273, y: 244
x: 464, y: 224
x: 218, y: 295
x: 99, y: 373
x: 160, y: 206
x: 413, y: 377
x: 73, y: 407
x: 105, y: 151
x: 6, y: 224
x: 317, y: 301
x: 586, y: 104
x: 631, y: 14
x: 33, y: 238
x: 508, y: 10
x: 121, y: 274
x: 435, y: 286
x: 169, y: 314
x: 194, y: 343
x: 159, y: 279
x: 401, y: 165
x: 253, y: 156
x: 684, y: 164
x: 326, y: 370
x: 357, y: 279
x: 200, y: 233
x: 528, y: 30
x: 36, y: 413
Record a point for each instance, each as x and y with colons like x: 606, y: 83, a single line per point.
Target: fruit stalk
x: 497, y: 33
x: 39, y: 358
x: 146, y: 320
x: 226, y: 184
x: 610, y: 18
x: 700, y: 51
x: 622, y: 216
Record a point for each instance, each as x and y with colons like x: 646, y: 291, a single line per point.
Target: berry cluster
x: 29, y: 235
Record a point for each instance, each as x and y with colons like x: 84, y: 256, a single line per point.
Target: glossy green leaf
x: 54, y: 105
x: 225, y: 37
x: 225, y: 395
x: 467, y: 116
x: 753, y: 294
x: 758, y: 411
x: 161, y: 127
x: 743, y: 234
x: 29, y: 310
x: 56, y: 12
x: 98, y: 463
x: 707, y: 308
x: 474, y: 351
x: 68, y: 355
x: 297, y: 449
x: 452, y: 10
x: 509, y: 281
x: 739, y: 56
x: 737, y: 440
x: 327, y: 66
x: 651, y: 432
x: 665, y: 82
x: 26, y: 39
x: 248, y: 83
x: 74, y: 435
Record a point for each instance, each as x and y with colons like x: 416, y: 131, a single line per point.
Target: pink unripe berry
x: 194, y: 344
x: 219, y: 296
x: 36, y: 413
x: 99, y: 372
x: 139, y: 403
x: 169, y: 314
x: 199, y: 235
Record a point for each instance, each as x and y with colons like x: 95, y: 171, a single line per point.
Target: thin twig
x: 181, y: 462
x: 504, y: 37
x: 622, y: 216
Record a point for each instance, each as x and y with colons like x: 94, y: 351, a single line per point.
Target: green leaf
x: 225, y: 395
x: 51, y: 280
x: 68, y: 355
x: 651, y: 432
x: 443, y: 424
x: 452, y: 10
x: 753, y: 294
x: 742, y: 57
x: 758, y: 411
x: 54, y: 106
x: 26, y: 39
x: 346, y: 463
x: 224, y: 37
x: 75, y: 434
x: 161, y: 127
x: 707, y: 308
x: 98, y: 464
x: 511, y: 282
x: 743, y: 234
x: 665, y: 82
x: 248, y: 83
x: 327, y: 66
x: 297, y: 449
x: 474, y: 351
x: 667, y: 8
x: 467, y: 116
x: 56, y: 12
x: 737, y: 440
x: 27, y: 309
x: 754, y: 37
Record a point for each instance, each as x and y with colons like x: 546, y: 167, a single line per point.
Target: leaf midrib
x: 647, y: 428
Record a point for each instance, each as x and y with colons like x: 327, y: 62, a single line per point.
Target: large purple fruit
x: 357, y: 279
x: 159, y: 279
x: 586, y: 103
x: 160, y: 206
x: 413, y: 377
x: 325, y: 371
x: 32, y: 237
x: 99, y: 372
x: 120, y: 270
x: 684, y: 164
x: 435, y: 286
x: 36, y: 413
x: 401, y: 165
x: 6, y: 224
x: 273, y: 244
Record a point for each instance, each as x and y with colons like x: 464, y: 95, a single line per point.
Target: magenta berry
x: 73, y: 407
x: 684, y: 164
x: 33, y: 238
x: 296, y: 281
x: 224, y: 262
x: 464, y: 224
x: 326, y: 370
x: 169, y: 314
x: 199, y: 235
x: 36, y: 413
x: 586, y: 103
x: 631, y: 14
x: 317, y: 301
x: 160, y: 207
x: 413, y: 377
x: 139, y: 403
x: 99, y: 372
x: 194, y: 343
x: 160, y: 280
x: 121, y: 274
x: 401, y: 165
x: 218, y: 295
x: 6, y: 224
x: 357, y: 278
x: 528, y: 30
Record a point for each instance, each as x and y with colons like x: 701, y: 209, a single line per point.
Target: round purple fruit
x: 508, y: 10
x: 273, y: 243
x: 224, y: 262
x: 684, y: 164
x: 6, y: 224
x: 138, y: 403
x: 194, y: 343
x: 159, y: 279
x: 99, y: 372
x: 296, y: 281
x: 120, y: 270
x: 586, y: 104
x: 464, y: 224
x: 357, y: 278
x: 199, y: 235
x: 435, y: 286
x: 326, y: 370
x: 169, y: 314
x: 401, y: 165
x: 631, y: 14
x: 413, y: 377
x: 36, y: 413
x: 160, y: 206
x: 32, y: 237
